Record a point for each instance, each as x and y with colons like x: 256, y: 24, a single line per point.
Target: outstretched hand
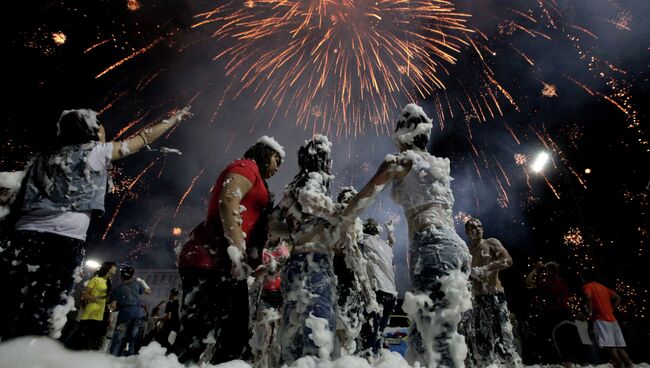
x: 179, y: 116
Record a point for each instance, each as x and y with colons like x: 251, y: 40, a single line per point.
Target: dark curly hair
x: 409, y: 121
x: 104, y: 268
x: 346, y: 194
x: 261, y: 154
x: 312, y: 158
x: 371, y: 226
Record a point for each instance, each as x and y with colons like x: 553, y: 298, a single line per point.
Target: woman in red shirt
x: 215, y: 262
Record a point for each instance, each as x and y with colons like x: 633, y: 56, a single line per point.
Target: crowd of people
x: 272, y: 283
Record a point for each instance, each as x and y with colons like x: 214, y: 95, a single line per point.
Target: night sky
x: 590, y: 55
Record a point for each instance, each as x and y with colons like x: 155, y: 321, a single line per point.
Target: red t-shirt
x: 208, y: 243
x: 557, y: 292
x: 600, y: 301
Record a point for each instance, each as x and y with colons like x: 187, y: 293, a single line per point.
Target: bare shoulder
x: 494, y: 243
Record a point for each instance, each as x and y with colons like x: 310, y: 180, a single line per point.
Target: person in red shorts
x: 601, y: 303
x: 221, y: 252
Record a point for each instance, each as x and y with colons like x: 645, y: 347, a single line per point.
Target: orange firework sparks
x: 461, y: 218
x: 59, y: 38
x: 177, y: 231
x: 127, y: 193
x: 557, y: 195
x: 549, y: 90
x: 129, y: 126
x: 139, y: 52
x: 350, y: 58
x: 110, y: 104
x: 520, y: 159
x: 96, y: 45
x: 574, y: 238
x: 189, y: 189
x: 133, y: 5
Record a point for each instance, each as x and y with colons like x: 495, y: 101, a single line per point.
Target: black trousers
x: 37, y: 269
x: 373, y: 330
x: 214, y: 309
x: 90, y: 335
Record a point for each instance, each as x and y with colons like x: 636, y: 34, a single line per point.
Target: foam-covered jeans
x: 372, y: 332
x: 488, y: 333
x: 308, y: 291
x: 439, y: 269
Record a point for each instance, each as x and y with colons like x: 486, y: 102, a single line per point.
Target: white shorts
x: 608, y: 334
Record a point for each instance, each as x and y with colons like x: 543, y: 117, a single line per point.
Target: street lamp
x: 92, y: 264
x: 540, y: 161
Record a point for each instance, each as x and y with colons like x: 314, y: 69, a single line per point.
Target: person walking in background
x: 215, y: 261
x: 487, y: 328
x: 266, y: 304
x: 555, y: 290
x: 601, y: 302
x: 63, y: 187
x: 152, y: 326
x: 93, y: 321
x: 380, y: 266
x: 171, y: 321
x: 125, y: 298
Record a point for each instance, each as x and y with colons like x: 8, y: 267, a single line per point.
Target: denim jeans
x: 308, y: 289
x: 373, y: 330
x: 435, y: 253
x: 126, y: 332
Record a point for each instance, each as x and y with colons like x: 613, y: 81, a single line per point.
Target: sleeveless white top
x: 426, y: 185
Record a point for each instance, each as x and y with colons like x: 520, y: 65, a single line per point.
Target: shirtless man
x: 487, y: 327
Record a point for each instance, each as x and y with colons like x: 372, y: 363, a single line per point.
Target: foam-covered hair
x: 314, y: 155
x: 413, y: 127
x: 346, y: 194
x: 371, y: 226
x: 77, y: 127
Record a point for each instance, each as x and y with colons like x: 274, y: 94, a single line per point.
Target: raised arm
x: 390, y: 232
x: 392, y: 168
x: 146, y: 136
x: 531, y: 278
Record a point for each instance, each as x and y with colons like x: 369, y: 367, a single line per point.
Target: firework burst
x: 353, y: 59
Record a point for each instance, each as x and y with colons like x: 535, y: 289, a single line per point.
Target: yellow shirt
x: 95, y: 310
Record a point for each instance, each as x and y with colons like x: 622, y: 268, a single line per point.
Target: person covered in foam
x: 62, y: 188
x: 439, y: 258
x: 217, y: 259
x: 308, y: 311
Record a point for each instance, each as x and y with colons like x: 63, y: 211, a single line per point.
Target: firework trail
x: 189, y: 189
x: 127, y: 193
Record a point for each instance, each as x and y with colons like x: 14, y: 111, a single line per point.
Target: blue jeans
x: 436, y: 252
x: 126, y: 332
x: 307, y: 288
